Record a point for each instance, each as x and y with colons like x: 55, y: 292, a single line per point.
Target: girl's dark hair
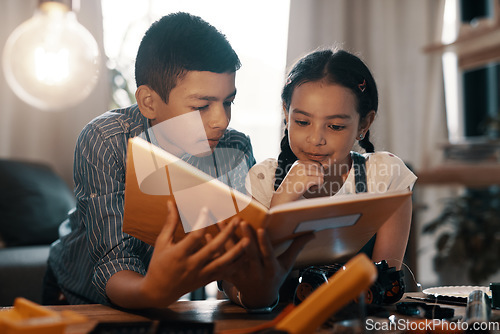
x: 335, y: 67
x: 178, y: 43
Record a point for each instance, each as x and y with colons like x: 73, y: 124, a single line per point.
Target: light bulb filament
x: 51, y: 68
x: 51, y: 61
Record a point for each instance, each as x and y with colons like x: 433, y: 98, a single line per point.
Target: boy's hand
x: 177, y: 268
x: 302, y: 176
x: 260, y: 273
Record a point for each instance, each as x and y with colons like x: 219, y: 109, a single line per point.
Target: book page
x: 317, y: 225
x: 342, y: 226
x: 327, y: 201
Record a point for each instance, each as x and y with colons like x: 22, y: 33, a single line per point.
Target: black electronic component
x: 388, y: 288
x: 428, y: 311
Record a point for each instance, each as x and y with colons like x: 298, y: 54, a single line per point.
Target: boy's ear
x: 144, y: 96
x: 367, y: 121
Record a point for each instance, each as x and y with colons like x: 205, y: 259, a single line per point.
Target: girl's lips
x: 315, y: 157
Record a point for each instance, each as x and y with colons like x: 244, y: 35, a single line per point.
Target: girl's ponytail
x: 286, y: 159
x: 366, y: 144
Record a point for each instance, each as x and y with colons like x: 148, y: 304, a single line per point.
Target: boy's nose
x: 219, y: 118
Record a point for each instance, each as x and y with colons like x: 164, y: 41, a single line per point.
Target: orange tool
x: 27, y: 317
x: 342, y: 287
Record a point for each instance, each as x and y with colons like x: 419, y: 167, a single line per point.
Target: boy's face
x: 197, y: 114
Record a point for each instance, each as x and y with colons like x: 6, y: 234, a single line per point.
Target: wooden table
x: 223, y: 314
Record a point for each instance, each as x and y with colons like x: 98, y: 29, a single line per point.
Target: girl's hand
x: 178, y: 268
x: 260, y: 273
x: 302, y: 176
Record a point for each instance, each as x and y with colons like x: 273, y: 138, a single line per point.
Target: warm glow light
x: 52, y: 67
x: 450, y: 22
x: 51, y: 61
x: 452, y: 81
x: 452, y: 87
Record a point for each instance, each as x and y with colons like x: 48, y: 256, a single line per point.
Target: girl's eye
x: 301, y: 123
x: 228, y: 103
x: 336, y: 127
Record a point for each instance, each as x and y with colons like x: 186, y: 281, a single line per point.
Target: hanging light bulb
x: 51, y: 61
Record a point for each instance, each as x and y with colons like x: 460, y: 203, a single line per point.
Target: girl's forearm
x: 392, y: 237
x: 282, y: 196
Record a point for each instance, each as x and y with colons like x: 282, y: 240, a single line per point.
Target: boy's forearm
x: 127, y: 289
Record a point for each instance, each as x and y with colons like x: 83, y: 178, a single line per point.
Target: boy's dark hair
x: 334, y: 67
x: 176, y: 44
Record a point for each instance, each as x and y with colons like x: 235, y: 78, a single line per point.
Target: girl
x: 330, y: 100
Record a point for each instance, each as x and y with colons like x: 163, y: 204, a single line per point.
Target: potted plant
x: 468, y: 237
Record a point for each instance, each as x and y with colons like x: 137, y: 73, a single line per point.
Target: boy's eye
x: 336, y: 127
x: 228, y: 103
x: 201, y: 108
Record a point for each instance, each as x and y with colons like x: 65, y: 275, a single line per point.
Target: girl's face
x: 323, y: 123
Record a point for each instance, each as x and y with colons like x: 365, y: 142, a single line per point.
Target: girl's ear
x: 366, y: 122
x: 285, y: 112
x: 144, y: 96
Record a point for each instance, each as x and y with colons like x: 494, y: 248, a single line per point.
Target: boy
x: 185, y: 70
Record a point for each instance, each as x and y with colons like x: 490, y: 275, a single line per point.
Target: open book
x: 343, y: 224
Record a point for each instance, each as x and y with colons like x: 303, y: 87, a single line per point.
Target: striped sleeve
x: 100, y: 163
x: 243, y: 158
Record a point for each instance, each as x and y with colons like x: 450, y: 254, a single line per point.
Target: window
x: 257, y: 30
x: 472, y: 102
x: 480, y: 85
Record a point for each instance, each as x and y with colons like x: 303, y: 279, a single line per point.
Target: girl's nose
x: 316, y: 137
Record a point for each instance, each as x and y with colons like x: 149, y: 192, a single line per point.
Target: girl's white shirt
x: 384, y: 172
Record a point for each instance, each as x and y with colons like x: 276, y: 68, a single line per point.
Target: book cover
x: 342, y: 223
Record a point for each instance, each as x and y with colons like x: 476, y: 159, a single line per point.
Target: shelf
x: 477, y: 44
x: 472, y: 175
